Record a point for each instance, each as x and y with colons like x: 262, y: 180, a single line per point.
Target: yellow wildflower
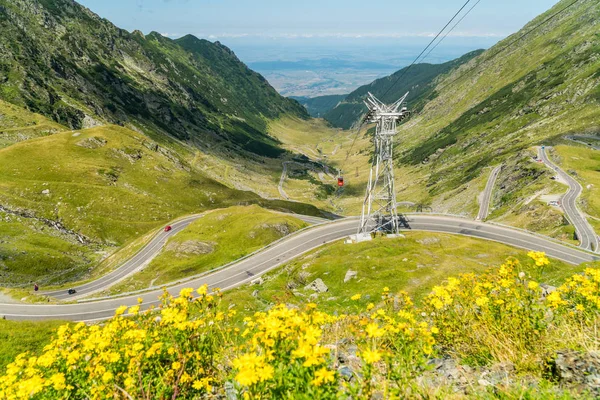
x: 371, y: 357
x: 323, y: 375
x: 58, y: 381
x: 186, y: 292
x: 202, y: 290
x: 539, y: 257
x: 482, y: 301
x: 120, y: 310
x: 373, y: 330
x: 532, y: 285
x: 107, y: 377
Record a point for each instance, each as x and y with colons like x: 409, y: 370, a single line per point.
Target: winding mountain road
x: 581, y: 140
x: 486, y: 195
x: 141, y: 259
x: 587, y: 237
x: 287, y: 249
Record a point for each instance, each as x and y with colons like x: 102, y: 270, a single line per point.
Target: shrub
x: 496, y: 316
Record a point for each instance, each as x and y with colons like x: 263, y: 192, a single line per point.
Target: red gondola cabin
x: 340, y: 181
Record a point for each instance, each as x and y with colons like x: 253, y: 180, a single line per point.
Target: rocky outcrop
x: 92, y: 143
x: 56, y: 225
x: 190, y: 247
x: 350, y: 275
x: 580, y: 369
x: 317, y: 285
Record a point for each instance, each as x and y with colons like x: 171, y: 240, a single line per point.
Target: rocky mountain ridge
x: 59, y: 59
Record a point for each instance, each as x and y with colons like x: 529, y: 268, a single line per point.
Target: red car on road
x: 168, y: 228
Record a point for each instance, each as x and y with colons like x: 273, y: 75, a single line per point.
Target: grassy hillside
x: 18, y: 124
x: 220, y: 237
x: 335, y: 148
x: 531, y: 88
x: 515, y: 94
x: 70, y: 197
x: 415, y: 264
x: 317, y: 107
x: 521, y: 197
x: 419, y: 80
x: 61, y: 60
x: 17, y: 337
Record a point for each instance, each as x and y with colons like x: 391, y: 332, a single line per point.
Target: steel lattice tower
x: 379, y: 208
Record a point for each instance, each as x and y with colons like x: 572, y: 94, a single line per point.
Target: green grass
x: 400, y: 264
x: 18, y: 124
x: 517, y: 198
x: 219, y: 237
x: 17, y: 337
x: 118, y: 188
x: 30, y: 251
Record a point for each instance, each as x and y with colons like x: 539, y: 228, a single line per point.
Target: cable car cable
x: 451, y: 29
x: 514, y: 41
x: 424, y: 50
x: 363, y: 119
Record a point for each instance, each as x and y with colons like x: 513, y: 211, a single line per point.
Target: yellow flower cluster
x: 283, y: 354
x: 539, y: 258
x: 470, y: 309
x: 391, y: 339
x: 189, y: 347
x: 579, y: 294
x: 125, y: 353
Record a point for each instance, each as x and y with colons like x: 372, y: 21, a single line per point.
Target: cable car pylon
x: 379, y: 213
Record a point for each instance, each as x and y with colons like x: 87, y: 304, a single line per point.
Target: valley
x: 135, y: 167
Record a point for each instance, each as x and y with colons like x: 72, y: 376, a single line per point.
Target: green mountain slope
x: 318, y: 106
x: 516, y: 94
x: 419, y: 80
x: 18, y: 124
x: 61, y: 60
x: 68, y: 199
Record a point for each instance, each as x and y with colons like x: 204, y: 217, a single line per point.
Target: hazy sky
x: 219, y: 19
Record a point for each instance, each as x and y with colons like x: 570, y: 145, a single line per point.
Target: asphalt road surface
x: 291, y: 247
x: 581, y: 139
x: 486, y: 197
x: 141, y: 259
x: 587, y: 237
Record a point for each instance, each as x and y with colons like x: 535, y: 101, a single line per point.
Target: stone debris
x: 92, y: 143
x: 428, y: 241
x: 578, y: 368
x: 547, y: 289
x: 318, y: 286
x: 257, y: 281
x: 350, y: 275
x: 188, y: 247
